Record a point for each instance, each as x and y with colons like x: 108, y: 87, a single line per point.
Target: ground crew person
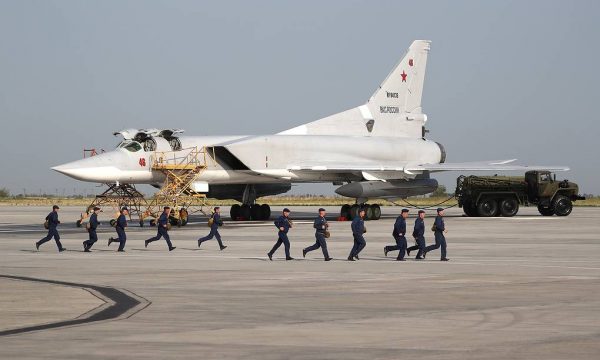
x: 321, y: 227
x: 120, y: 227
x: 162, y: 224
x: 53, y: 222
x: 214, y: 229
x: 440, y: 239
x: 419, y: 235
x: 358, y: 229
x: 399, y: 235
x: 283, y: 225
x: 92, y: 226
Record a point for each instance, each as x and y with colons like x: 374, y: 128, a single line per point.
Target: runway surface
x: 515, y: 288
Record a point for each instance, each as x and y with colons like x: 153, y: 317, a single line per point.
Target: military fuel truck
x: 501, y: 195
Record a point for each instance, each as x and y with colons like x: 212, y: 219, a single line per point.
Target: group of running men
x: 283, y: 224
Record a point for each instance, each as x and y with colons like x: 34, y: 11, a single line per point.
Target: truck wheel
x: 562, y: 206
x: 488, y: 207
x: 509, y: 207
x: 545, y: 211
x: 469, y: 209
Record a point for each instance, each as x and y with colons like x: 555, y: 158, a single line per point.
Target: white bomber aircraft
x: 376, y: 150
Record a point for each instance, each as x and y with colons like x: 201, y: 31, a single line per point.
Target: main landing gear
x: 372, y: 212
x: 250, y: 212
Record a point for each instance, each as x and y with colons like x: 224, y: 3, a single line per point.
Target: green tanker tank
x: 502, y: 195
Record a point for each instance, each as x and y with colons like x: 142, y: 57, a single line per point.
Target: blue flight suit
x: 419, y: 235
x: 440, y: 239
x: 162, y: 231
x: 282, y: 238
x: 358, y: 229
x: 93, y: 237
x: 120, y: 228
x: 399, y: 235
x: 214, y: 231
x: 53, y: 222
x: 320, y: 226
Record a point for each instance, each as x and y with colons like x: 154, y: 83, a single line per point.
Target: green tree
x: 439, y: 192
x: 4, y: 193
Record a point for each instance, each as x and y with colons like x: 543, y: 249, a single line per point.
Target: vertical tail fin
x: 402, y: 89
x: 393, y: 110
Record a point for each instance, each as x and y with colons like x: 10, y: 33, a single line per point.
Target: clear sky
x: 505, y: 79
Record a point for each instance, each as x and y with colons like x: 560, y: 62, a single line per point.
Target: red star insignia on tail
x: 403, y: 76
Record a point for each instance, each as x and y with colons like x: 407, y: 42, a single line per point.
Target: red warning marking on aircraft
x: 403, y: 76
x: 410, y: 62
x: 142, y: 162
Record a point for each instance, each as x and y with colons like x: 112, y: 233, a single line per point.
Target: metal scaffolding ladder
x: 181, y: 169
x: 117, y: 196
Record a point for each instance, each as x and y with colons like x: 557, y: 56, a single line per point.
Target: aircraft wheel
x: 174, y: 221
x: 183, y: 217
x: 354, y: 209
x: 488, y: 207
x: 376, y: 211
x: 256, y: 212
x: 369, y: 215
x: 234, y: 212
x: 78, y: 223
x: 266, y: 211
x: 562, y: 206
x: 245, y: 213
x: 141, y: 222
x: 345, y: 211
x: 509, y: 207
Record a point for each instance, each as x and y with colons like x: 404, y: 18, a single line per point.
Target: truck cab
x: 551, y: 196
x: 540, y: 184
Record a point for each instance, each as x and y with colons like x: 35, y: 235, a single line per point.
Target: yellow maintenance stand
x: 181, y: 169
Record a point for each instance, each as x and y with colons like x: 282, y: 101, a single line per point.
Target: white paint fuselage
x: 270, y: 158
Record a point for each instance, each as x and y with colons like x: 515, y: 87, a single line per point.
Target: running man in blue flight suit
x: 120, y: 227
x: 321, y: 227
x: 53, y: 222
x: 283, y: 225
x: 440, y: 239
x: 162, y: 224
x: 358, y: 229
x: 419, y: 235
x: 214, y: 229
x: 93, y: 225
x: 399, y: 235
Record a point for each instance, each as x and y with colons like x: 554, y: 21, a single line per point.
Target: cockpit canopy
x: 134, y: 140
x: 132, y: 146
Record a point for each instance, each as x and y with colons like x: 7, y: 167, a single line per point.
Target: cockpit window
x: 132, y: 146
x: 545, y: 177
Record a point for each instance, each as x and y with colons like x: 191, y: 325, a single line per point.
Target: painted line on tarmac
x: 118, y: 304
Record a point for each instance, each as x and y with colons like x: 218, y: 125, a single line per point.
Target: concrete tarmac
x: 526, y: 287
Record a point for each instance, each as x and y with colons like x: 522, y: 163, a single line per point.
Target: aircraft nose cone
x: 75, y: 169
x: 99, y: 168
x: 63, y: 169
